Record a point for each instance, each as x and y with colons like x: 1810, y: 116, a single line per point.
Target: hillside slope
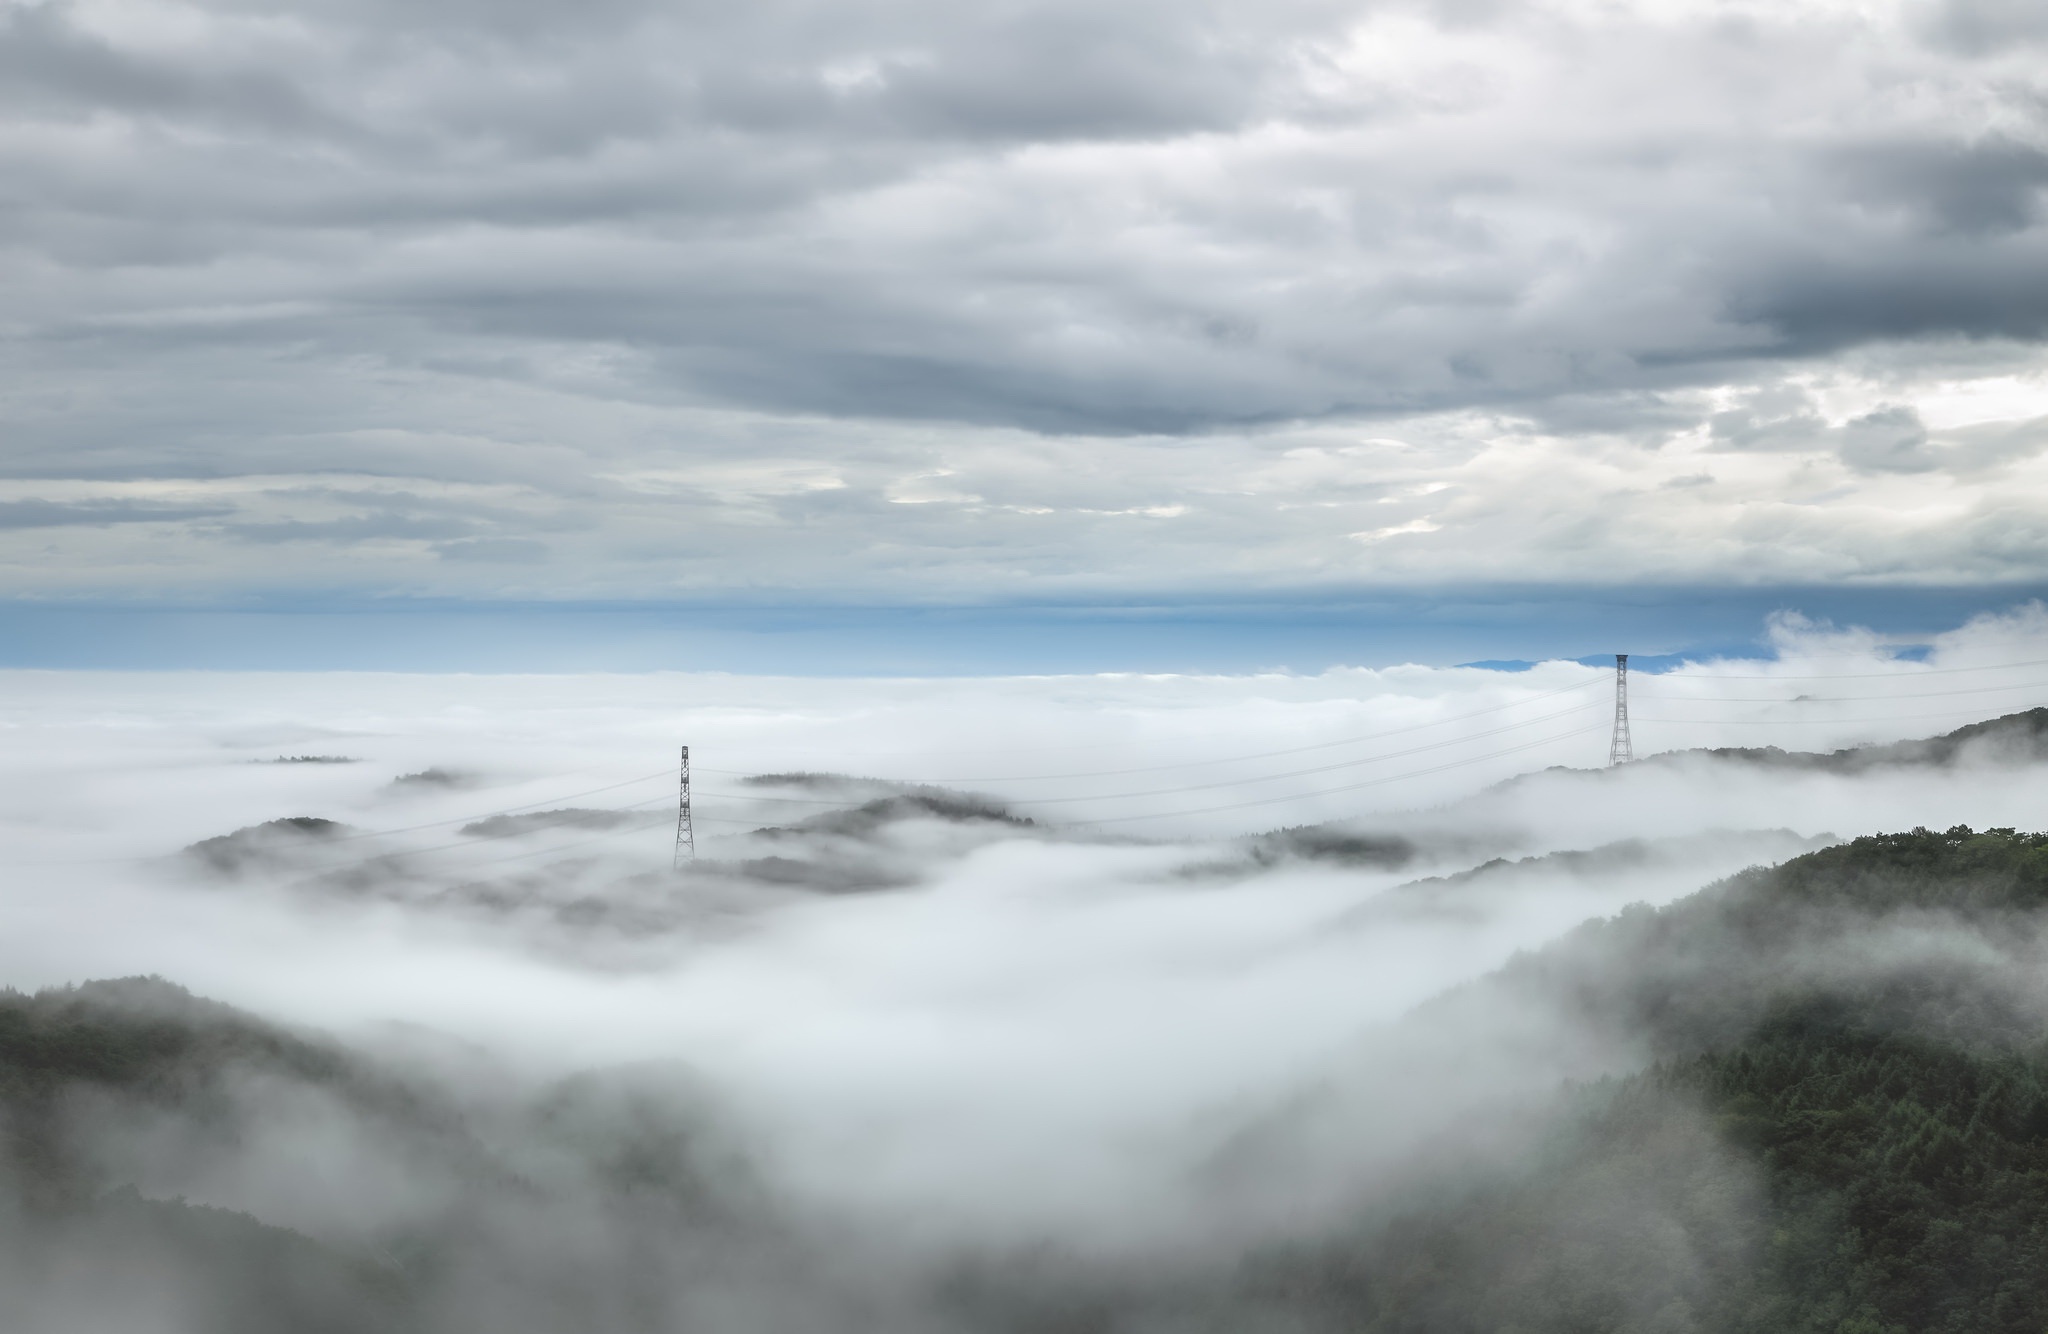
x: 1837, y: 1122
x: 169, y: 1165
x: 1847, y: 1129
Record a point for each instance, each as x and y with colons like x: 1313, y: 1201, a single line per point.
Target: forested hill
x: 1839, y: 1125
x: 1846, y: 1131
x: 343, y: 1198
x: 84, y: 1070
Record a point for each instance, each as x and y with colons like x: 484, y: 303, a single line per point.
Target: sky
x: 1031, y: 311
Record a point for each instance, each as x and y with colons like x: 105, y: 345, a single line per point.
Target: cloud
x: 1981, y: 27
x: 1082, y: 261
x: 1980, y: 189
x: 499, y: 550
x: 1888, y: 440
x: 58, y: 514
x: 359, y: 529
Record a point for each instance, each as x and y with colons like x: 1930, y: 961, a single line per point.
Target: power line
x: 1350, y: 787
x: 362, y: 834
x: 475, y: 839
x: 1267, y: 801
x: 1360, y: 740
x: 1297, y: 750
x: 1233, y: 759
x: 1265, y: 778
x: 1184, y: 813
x: 1228, y: 782
x: 1620, y: 736
x: 1166, y: 815
x: 397, y: 853
x: 506, y: 810
x: 1319, y: 769
x: 1381, y: 781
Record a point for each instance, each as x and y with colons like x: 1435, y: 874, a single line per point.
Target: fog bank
x: 1020, y: 972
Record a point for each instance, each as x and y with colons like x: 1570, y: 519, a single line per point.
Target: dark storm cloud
x: 1976, y: 189
x: 1817, y: 302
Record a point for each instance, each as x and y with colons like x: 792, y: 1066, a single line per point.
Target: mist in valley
x: 1032, y: 1004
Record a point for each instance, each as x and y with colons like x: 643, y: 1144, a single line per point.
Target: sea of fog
x: 1016, y: 939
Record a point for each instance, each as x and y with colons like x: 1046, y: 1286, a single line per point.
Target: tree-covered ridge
x: 1958, y: 870
x: 1923, y: 929
x: 1847, y: 1133
x: 403, y: 1215
x: 1815, y: 1180
x: 137, y: 1031
x: 1907, y: 1178
x: 76, y: 1241
x: 2013, y: 738
x: 142, y: 1042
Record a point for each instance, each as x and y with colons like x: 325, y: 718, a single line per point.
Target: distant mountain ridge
x: 2015, y: 738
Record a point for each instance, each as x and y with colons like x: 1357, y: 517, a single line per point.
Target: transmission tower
x: 1621, y: 750
x: 686, y: 833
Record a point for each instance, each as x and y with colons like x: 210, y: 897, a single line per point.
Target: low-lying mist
x: 982, y: 1004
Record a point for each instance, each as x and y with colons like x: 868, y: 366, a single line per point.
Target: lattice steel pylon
x: 1622, y: 749
x: 686, y: 832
